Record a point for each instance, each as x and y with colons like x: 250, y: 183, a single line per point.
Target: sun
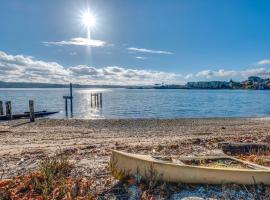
x: 88, y: 19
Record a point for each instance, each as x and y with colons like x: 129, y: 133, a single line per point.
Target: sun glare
x: 88, y: 19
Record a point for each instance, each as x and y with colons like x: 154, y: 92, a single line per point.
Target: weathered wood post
x: 71, y: 99
x: 31, y: 111
x: 8, y: 110
x: 100, y: 99
x: 91, y: 100
x: 1, y: 108
x: 95, y: 95
x: 66, y: 106
x: 97, y: 99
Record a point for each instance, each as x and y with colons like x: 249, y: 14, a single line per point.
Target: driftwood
x: 244, y: 148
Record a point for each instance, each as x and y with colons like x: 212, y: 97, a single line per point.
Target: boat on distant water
x: 207, y: 170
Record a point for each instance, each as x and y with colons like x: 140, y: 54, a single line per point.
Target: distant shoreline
x: 253, y: 83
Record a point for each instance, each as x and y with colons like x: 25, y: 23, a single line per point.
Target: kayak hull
x: 144, y: 165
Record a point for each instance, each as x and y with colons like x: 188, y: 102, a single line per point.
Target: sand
x: 88, y: 142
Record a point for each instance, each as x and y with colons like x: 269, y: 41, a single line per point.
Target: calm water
x: 126, y: 103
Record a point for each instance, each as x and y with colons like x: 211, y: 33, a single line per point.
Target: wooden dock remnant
x: 26, y: 115
x: 96, y: 100
x: 1, y: 108
x: 31, y: 111
x: 31, y: 114
x: 8, y: 110
x: 70, y: 97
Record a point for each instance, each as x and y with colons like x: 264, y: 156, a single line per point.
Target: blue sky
x: 142, y: 41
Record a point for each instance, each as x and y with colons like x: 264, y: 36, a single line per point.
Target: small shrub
x: 52, y: 181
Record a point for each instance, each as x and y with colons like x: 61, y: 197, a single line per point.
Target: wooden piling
x: 8, y: 110
x: 66, y: 105
x: 91, y: 102
x: 97, y: 99
x: 31, y: 111
x: 100, y: 99
x: 1, y: 108
x: 71, y: 98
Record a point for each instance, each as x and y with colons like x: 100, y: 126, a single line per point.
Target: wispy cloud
x: 78, y: 42
x: 264, y: 62
x: 142, y: 50
x: 141, y: 57
x: 188, y: 76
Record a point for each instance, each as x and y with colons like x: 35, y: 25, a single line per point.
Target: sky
x: 134, y: 42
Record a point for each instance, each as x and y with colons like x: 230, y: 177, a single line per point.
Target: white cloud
x: 188, y: 76
x: 219, y: 73
x: 78, y: 42
x: 141, y: 57
x: 26, y: 68
x: 261, y: 72
x: 119, y: 75
x: 264, y: 62
x: 17, y: 68
x: 141, y: 50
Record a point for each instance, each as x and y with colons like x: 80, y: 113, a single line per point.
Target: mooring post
x: 71, y: 99
x: 66, y: 106
x: 91, y: 98
x: 95, y: 97
x: 8, y: 110
x: 100, y: 99
x: 31, y: 111
x: 1, y: 108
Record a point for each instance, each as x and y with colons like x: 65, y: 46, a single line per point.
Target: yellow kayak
x: 123, y: 164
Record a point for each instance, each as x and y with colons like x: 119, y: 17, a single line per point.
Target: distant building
x: 208, y: 85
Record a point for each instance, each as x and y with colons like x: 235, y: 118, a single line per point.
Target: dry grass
x: 52, y: 180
